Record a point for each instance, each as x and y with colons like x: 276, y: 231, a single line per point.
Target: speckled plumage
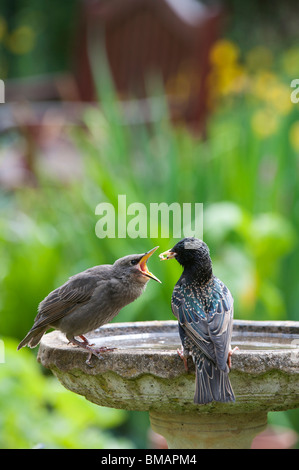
x: 203, y: 306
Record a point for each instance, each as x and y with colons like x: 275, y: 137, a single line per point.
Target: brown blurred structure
x: 146, y: 40
x: 156, y: 51
x: 153, y: 48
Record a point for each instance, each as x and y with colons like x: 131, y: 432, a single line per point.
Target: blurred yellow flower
x: 228, y: 80
x: 279, y: 97
x: 3, y: 27
x: 261, y: 83
x: 290, y: 62
x: 223, y: 53
x: 294, y: 136
x: 21, y: 40
x: 256, y: 79
x: 259, y: 57
x: 266, y: 87
x: 264, y: 122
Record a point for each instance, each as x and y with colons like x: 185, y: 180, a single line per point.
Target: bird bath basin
x: 145, y: 373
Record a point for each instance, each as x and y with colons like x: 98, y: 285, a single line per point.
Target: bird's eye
x: 134, y: 261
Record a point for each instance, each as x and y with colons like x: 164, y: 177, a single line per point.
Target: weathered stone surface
x: 142, y: 375
x: 208, y: 430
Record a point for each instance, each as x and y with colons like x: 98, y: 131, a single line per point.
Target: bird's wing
x: 220, y: 321
x: 209, y: 329
x: 77, y: 290
x: 192, y: 318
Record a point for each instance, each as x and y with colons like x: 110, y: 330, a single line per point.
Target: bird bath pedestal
x: 146, y: 373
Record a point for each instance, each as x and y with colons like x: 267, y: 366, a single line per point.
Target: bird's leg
x: 85, y: 340
x: 183, y: 355
x: 99, y: 350
x: 82, y: 343
x: 230, y: 353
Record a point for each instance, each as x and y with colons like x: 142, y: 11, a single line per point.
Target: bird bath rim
x: 154, y: 379
x: 161, y: 338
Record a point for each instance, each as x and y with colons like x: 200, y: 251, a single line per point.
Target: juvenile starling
x: 90, y: 299
x: 203, y: 306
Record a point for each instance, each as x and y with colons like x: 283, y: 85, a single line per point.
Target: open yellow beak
x: 167, y: 255
x: 143, y: 266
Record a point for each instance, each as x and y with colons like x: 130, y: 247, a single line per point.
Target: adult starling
x: 90, y: 299
x: 203, y: 306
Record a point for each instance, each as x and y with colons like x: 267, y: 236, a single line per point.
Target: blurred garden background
x: 73, y: 136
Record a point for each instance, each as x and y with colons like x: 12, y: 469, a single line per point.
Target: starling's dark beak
x: 168, y: 255
x: 143, y: 266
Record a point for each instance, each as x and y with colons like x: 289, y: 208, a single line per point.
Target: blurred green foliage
x: 47, y: 233
x: 36, y: 411
x: 245, y: 172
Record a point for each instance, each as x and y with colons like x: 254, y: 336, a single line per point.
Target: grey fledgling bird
x: 203, y: 306
x: 90, y: 299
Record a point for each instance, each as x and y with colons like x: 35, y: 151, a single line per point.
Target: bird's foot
x: 91, y: 351
x: 229, y: 358
x: 97, y: 352
x: 105, y: 349
x: 182, y: 353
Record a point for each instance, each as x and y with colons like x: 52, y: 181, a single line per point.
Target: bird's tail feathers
x: 32, y: 338
x: 212, y: 384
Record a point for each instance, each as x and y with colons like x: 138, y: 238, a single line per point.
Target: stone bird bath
x: 145, y: 373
